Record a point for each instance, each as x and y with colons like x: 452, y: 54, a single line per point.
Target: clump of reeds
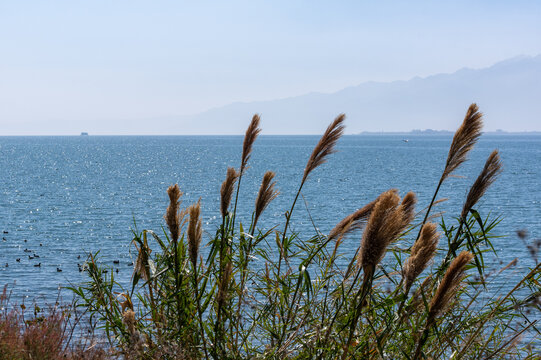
x: 258, y: 292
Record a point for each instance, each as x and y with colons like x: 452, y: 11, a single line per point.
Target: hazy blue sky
x: 78, y: 61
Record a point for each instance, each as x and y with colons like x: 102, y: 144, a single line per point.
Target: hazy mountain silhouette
x: 508, y: 92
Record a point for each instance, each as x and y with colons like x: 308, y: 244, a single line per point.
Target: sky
x: 83, y: 61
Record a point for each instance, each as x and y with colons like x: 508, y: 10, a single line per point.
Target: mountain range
x: 508, y: 93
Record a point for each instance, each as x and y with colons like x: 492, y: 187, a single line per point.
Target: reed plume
x: 194, y: 231
x: 384, y: 224
x: 266, y: 194
x: 421, y: 253
x: 142, y: 266
x: 226, y: 190
x: 172, y: 217
x: 129, y: 320
x: 249, y: 138
x: 353, y: 221
x: 463, y: 141
x: 223, y: 287
x: 448, y: 286
x: 492, y: 169
x: 325, y: 146
x: 407, y: 207
x: 465, y: 138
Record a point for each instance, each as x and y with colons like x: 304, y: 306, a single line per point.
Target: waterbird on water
x: 58, y: 270
x: 18, y: 259
x: 37, y: 265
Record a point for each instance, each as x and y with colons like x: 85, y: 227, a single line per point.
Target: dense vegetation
x: 413, y: 290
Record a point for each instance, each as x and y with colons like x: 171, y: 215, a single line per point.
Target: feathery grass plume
x: 134, y: 348
x: 226, y: 190
x: 408, y: 208
x: 129, y: 320
x: 325, y: 146
x: 465, y: 138
x: 384, y: 224
x: 445, y: 292
x: 171, y: 216
x: 265, y: 195
x: 421, y: 253
x: 194, y: 231
x: 142, y: 266
x: 448, y: 286
x: 492, y: 169
x: 223, y: 287
x: 354, y: 221
x: 249, y: 138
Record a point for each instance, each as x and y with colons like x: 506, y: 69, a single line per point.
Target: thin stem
x: 236, y: 200
x: 421, y: 343
x: 430, y: 206
x: 199, y: 312
x: 361, y: 295
x: 288, y: 217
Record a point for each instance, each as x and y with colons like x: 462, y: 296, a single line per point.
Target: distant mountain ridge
x: 508, y: 93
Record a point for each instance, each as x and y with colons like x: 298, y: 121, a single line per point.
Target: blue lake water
x: 67, y: 196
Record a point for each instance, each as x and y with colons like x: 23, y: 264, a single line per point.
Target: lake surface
x: 62, y: 197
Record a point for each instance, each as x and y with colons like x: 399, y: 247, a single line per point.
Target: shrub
x: 44, y: 334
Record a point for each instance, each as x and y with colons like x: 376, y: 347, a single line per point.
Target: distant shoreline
x: 363, y: 133
x: 445, y: 132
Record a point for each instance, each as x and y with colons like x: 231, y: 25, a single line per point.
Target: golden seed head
x: 491, y: 170
x: 226, y: 190
x: 464, y: 139
x: 422, y: 253
x: 380, y: 230
x: 194, y: 231
x: 325, y: 146
x: 449, y: 285
x: 354, y: 221
x: 172, y: 218
x: 266, y: 194
x: 249, y: 138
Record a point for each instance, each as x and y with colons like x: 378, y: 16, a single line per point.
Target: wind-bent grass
x: 299, y: 302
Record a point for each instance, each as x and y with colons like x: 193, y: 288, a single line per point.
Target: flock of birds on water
x: 33, y: 256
